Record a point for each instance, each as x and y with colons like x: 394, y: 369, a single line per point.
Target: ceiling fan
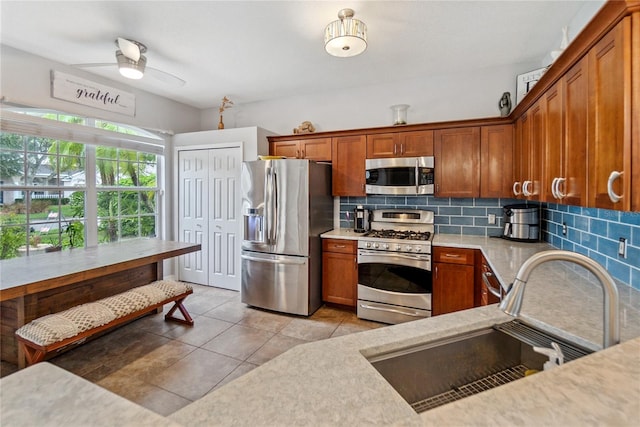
x: 132, y: 63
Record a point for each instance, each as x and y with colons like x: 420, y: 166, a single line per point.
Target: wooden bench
x: 58, y: 331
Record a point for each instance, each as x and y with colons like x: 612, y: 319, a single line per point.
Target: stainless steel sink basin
x: 443, y: 371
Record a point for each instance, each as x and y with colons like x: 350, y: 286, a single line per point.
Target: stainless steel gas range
x: 394, y: 266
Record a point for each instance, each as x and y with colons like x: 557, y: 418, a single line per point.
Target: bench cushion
x: 56, y: 327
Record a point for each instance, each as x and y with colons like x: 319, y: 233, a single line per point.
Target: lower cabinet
x: 340, y: 271
x: 453, y: 280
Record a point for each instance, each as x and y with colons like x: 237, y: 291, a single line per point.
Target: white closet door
x: 224, y: 217
x: 193, y: 181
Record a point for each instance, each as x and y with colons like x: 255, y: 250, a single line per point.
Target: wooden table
x: 35, y: 286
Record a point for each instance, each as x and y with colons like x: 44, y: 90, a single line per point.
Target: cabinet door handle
x: 559, y: 192
x: 612, y: 195
x: 525, y: 189
x: 451, y: 256
x: 340, y: 246
x: 355, y: 263
x: 395, y: 149
x: 514, y: 188
x: 304, y: 154
x: 401, y: 148
x: 554, y: 185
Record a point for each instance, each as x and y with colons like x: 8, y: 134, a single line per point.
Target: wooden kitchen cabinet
x: 348, y: 165
x: 565, y: 161
x: 453, y: 280
x: 610, y: 121
x: 532, y: 186
x: 487, y: 286
x: 400, y: 144
x: 496, y: 161
x: 318, y: 149
x: 340, y: 271
x: 457, y: 162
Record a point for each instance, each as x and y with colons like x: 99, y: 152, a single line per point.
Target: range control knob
x: 385, y: 246
x: 398, y: 247
x: 409, y: 248
x: 376, y: 245
x: 368, y: 244
x: 419, y: 249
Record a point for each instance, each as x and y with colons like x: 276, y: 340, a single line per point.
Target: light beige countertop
x: 45, y: 395
x: 331, y: 383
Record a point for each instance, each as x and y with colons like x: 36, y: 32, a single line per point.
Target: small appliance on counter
x: 521, y: 223
x: 362, y: 222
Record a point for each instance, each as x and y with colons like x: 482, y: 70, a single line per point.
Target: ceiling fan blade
x: 95, y: 64
x: 129, y: 49
x: 164, y: 77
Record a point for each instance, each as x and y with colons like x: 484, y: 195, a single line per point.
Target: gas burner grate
x: 400, y: 235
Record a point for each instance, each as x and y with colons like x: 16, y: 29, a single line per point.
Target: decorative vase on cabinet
x: 220, y: 123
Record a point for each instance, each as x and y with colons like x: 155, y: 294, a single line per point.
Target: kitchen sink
x: 439, y: 372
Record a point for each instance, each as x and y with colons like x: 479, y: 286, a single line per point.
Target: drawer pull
x: 339, y: 246
x: 452, y: 256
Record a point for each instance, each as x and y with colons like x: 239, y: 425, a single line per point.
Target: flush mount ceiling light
x: 131, y: 61
x: 345, y: 37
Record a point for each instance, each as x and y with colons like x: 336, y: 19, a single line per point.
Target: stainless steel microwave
x: 400, y: 175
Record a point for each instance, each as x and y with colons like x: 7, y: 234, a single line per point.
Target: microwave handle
x: 417, y: 175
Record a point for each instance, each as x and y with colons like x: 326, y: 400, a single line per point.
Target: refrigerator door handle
x: 268, y: 201
x: 274, y: 217
x: 292, y: 261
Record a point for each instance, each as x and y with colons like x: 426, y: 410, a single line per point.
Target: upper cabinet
x: 496, y: 161
x: 400, y: 144
x: 565, y: 161
x: 318, y: 149
x: 609, y: 128
x: 348, y: 165
x: 457, y: 162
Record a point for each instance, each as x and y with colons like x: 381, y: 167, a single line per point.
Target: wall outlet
x: 564, y: 228
x: 492, y: 219
x: 622, y: 247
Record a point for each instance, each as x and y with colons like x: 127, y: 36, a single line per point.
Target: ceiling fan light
x: 129, y: 68
x: 346, y: 36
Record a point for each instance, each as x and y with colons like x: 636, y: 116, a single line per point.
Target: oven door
x: 393, y: 287
x: 404, y: 175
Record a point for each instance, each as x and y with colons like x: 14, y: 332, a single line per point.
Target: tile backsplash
x: 593, y: 232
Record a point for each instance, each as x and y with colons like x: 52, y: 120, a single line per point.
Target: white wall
x: 454, y: 96
x: 25, y: 80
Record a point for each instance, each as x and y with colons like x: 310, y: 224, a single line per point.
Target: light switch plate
x: 492, y: 219
x: 622, y: 247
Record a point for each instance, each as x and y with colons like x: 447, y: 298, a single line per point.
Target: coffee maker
x: 521, y: 223
x: 362, y: 221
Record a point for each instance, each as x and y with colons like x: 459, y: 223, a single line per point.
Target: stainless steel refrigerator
x: 286, y: 205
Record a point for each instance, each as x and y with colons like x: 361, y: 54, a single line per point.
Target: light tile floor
x: 164, y: 366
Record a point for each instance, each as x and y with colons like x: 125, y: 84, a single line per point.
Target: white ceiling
x: 258, y: 50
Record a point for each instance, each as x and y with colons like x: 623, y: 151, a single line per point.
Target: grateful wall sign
x: 81, y: 91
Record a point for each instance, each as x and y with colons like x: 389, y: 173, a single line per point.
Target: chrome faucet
x: 512, y: 302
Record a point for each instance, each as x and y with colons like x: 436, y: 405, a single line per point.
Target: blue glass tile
x: 581, y: 223
x: 569, y: 219
x: 441, y: 219
x: 567, y: 245
x: 474, y: 231
x: 598, y: 227
x: 607, y: 247
x: 589, y: 240
x: 417, y: 200
x: 376, y: 200
x: 396, y: 200
x: 556, y: 216
x: 608, y: 215
x: 563, y: 208
x: 635, y: 278
x: 462, y: 202
x: 581, y: 250
x: 575, y: 210
x: 617, y: 230
x: 461, y: 220
x: 633, y: 256
x: 573, y: 235
x: 556, y: 242
x: 487, y: 202
x: 619, y: 270
x: 635, y: 236
x: 631, y: 218
x: 592, y: 212
x: 449, y: 210
x: 601, y: 259
x: 474, y: 211
x: 439, y: 201
x: 449, y: 229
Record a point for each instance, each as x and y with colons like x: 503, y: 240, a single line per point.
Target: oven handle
x: 370, y: 307
x: 417, y: 257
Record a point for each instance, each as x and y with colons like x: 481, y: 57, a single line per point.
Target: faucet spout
x: 512, y: 302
